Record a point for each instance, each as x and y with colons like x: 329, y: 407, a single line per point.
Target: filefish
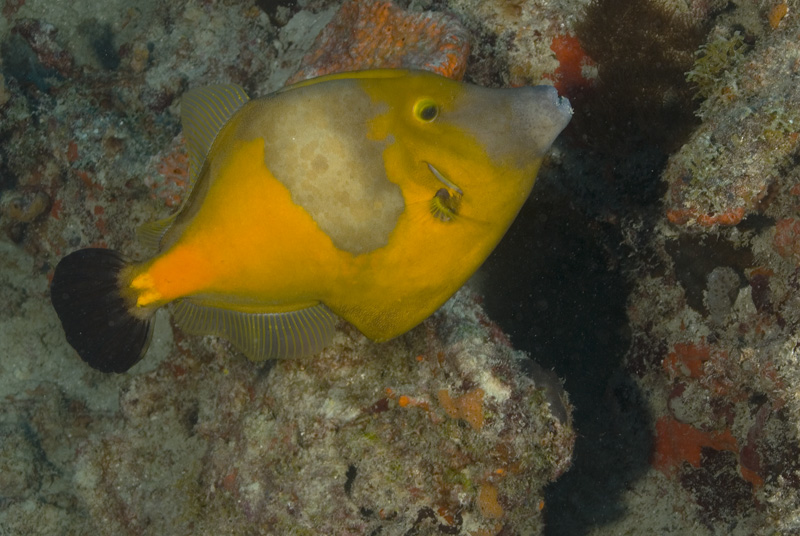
x: 371, y: 196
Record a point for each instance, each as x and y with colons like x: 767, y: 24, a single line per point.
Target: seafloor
x: 656, y: 270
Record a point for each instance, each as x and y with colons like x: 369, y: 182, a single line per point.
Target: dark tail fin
x: 96, y: 320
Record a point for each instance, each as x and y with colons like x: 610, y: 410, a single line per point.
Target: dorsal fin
x: 151, y: 233
x: 204, y: 111
x: 261, y: 336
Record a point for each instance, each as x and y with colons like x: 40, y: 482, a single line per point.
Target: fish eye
x: 426, y: 110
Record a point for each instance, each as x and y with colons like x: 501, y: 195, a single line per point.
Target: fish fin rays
x: 261, y: 336
x: 204, y: 111
x: 150, y: 234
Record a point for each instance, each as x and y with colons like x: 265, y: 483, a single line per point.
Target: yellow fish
x: 370, y: 195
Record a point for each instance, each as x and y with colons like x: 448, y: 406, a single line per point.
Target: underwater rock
x: 750, y: 130
x: 24, y: 207
x: 18, y: 474
x: 722, y: 374
x: 439, y: 429
x: 721, y: 292
x: 43, y: 39
x: 381, y: 35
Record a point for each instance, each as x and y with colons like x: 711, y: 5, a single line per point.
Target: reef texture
x: 380, y: 35
x: 747, y: 80
x: 714, y: 311
x: 413, y: 435
x: 514, y: 38
x: 446, y: 430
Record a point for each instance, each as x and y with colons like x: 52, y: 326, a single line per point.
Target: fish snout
x: 540, y: 114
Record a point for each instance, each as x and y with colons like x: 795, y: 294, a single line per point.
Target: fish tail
x: 98, y: 320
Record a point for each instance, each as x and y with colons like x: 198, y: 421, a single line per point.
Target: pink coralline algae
x: 171, y: 182
x: 787, y: 238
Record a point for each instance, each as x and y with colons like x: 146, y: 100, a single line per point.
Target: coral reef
x: 513, y: 39
x: 440, y: 431
x: 713, y: 312
x: 685, y: 392
x: 706, y: 387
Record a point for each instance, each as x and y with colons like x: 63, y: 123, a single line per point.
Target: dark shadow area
x: 555, y: 286
x: 558, y: 283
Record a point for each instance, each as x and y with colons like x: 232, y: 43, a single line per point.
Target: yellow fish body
x: 371, y: 195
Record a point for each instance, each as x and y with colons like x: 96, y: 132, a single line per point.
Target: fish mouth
x: 444, y: 180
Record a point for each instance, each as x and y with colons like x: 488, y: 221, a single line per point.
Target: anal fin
x: 261, y: 336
